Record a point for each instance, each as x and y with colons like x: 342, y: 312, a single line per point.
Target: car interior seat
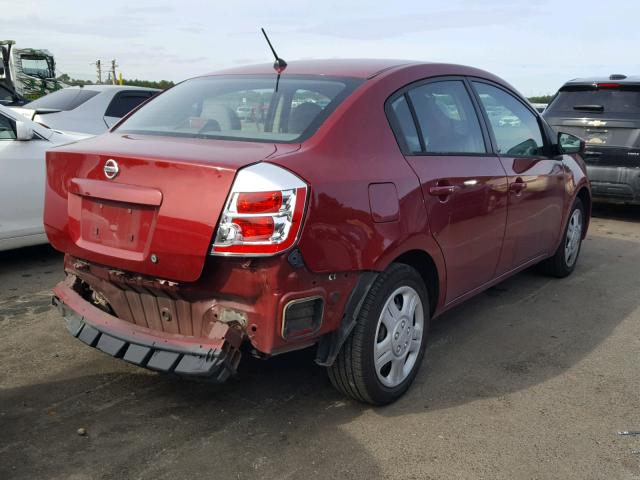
x: 436, y: 125
x: 226, y: 117
x: 302, y: 116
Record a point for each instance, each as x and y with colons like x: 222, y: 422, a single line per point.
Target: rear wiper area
x: 589, y: 108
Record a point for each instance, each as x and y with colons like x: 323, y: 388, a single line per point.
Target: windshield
x: 242, y: 107
x: 65, y: 99
x: 587, y: 98
x: 36, y: 66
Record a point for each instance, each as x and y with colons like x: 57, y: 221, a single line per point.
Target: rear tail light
x: 263, y: 213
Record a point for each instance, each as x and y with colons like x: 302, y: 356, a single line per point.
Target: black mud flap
x: 330, y: 345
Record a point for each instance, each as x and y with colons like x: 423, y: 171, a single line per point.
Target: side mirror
x: 2, y: 71
x: 24, y: 131
x: 569, y: 144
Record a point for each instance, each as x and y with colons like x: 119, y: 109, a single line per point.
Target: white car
x: 540, y: 107
x: 243, y: 112
x: 23, y: 145
x: 89, y: 109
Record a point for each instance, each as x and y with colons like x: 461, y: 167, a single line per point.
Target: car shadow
x: 627, y: 213
x: 281, y: 418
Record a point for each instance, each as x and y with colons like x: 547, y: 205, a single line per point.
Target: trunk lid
x: 157, y: 215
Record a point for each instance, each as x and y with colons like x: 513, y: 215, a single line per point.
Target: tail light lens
x: 263, y: 213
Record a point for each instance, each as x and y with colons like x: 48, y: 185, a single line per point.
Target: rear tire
x: 564, y: 260
x: 380, y: 359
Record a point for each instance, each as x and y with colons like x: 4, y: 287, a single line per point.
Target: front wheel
x: 564, y: 260
x: 381, y: 357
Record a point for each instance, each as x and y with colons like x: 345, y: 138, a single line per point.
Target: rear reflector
x: 302, y: 317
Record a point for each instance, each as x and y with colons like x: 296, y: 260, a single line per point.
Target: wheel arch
x: 426, y: 267
x: 585, y: 196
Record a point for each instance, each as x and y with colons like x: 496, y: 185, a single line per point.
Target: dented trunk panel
x: 157, y: 215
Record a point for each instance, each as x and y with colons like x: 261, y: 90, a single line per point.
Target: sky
x: 534, y: 45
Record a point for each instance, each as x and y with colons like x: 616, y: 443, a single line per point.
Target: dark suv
x: 605, y: 112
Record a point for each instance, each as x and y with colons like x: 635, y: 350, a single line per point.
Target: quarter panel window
x: 405, y: 124
x: 7, y: 128
x: 514, y: 126
x: 447, y: 119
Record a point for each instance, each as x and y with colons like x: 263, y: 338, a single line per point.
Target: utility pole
x: 113, y: 71
x: 99, y: 69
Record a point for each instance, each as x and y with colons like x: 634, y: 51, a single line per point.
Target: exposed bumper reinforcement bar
x: 211, y: 359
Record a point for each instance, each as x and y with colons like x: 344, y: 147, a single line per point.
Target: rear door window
x: 446, y: 118
x: 124, y: 102
x: 515, y: 127
x: 65, y: 99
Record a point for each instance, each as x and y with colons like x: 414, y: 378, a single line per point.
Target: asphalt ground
x: 531, y: 379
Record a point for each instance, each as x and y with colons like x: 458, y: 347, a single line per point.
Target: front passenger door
x: 536, y: 178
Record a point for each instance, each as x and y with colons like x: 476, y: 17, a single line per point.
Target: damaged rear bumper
x: 215, y: 358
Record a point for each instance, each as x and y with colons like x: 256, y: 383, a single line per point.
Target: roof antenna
x: 279, y: 65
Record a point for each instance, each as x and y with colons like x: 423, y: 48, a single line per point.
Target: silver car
x: 23, y: 145
x: 89, y: 109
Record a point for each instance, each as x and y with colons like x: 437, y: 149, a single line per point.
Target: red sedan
x: 359, y: 200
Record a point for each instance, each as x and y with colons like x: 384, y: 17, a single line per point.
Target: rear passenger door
x: 122, y: 103
x: 464, y: 184
x: 536, y: 178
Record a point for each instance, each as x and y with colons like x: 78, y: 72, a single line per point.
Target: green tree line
x: 161, y: 84
x: 541, y: 99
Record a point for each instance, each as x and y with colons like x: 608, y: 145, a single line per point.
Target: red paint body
x: 368, y: 205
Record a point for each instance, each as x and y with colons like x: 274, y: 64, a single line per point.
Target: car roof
x: 104, y: 88
x: 335, y: 67
x: 627, y: 80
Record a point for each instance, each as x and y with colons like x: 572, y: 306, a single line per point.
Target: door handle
x: 518, y: 186
x: 443, y: 190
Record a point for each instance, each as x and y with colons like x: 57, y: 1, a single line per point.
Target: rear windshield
x: 589, y: 99
x: 242, y: 107
x: 65, y: 99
